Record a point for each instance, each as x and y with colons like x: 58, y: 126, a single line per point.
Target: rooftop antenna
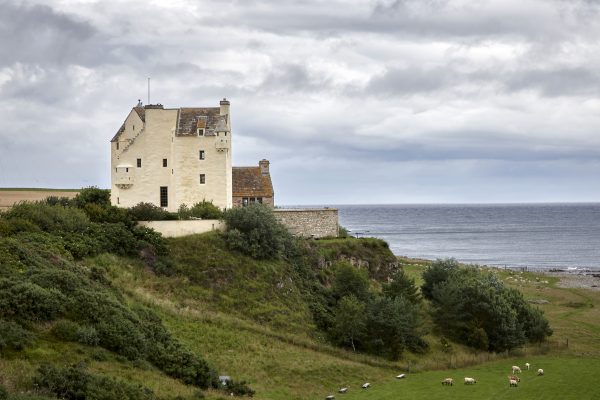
x: 148, y: 90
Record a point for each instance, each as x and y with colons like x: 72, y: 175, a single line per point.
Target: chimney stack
x: 264, y: 166
x: 224, y: 110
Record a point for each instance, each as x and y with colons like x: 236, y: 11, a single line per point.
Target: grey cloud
x: 557, y: 82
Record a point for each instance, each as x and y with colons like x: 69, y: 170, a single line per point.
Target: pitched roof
x: 209, y: 118
x: 249, y: 182
x: 141, y: 112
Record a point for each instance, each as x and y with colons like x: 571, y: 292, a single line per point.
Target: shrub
x: 66, y: 330
x: 349, y: 280
x: 254, y: 231
x: 29, y: 302
x: 92, y: 195
x: 13, y: 336
x: 3, y: 393
x: 87, y: 335
x: 149, y: 212
x: 206, y: 210
x: 50, y: 218
x: 75, y: 383
x: 402, y: 285
x: 238, y: 388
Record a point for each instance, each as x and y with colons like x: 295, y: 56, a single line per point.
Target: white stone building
x: 170, y: 157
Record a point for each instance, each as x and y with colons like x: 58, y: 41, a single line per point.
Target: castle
x: 176, y: 156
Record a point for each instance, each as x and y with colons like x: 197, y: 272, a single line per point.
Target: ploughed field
x: 10, y: 196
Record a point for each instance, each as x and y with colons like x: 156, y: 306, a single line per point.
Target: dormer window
x: 200, y: 131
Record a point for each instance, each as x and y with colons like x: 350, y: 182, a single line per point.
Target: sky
x: 353, y: 102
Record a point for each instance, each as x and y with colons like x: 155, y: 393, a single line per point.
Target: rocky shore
x: 578, y: 279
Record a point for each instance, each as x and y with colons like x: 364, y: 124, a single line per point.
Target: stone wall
x: 184, y: 228
x: 317, y: 223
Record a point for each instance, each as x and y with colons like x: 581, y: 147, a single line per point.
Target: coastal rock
x: 538, y: 301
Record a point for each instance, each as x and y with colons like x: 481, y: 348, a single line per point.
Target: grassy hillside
x: 251, y: 319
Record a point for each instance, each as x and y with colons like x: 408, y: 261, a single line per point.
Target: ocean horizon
x: 537, y: 236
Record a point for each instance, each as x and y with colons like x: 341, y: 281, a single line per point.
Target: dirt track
x: 10, y: 197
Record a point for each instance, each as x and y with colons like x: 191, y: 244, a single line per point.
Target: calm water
x: 518, y: 235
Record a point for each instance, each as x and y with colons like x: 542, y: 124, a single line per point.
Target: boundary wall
x: 309, y: 222
x: 184, y: 228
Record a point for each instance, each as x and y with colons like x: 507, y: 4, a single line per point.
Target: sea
x: 525, y: 236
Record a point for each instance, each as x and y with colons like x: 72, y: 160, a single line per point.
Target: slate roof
x: 249, y: 182
x: 209, y: 118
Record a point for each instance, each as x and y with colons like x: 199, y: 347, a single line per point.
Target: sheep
x: 527, y: 366
x: 366, y: 385
x: 470, y: 381
x: 330, y: 397
x: 343, y: 390
x: 516, y: 369
x: 540, y: 372
x: 512, y: 382
x: 400, y: 376
x: 448, y: 382
x: 514, y: 378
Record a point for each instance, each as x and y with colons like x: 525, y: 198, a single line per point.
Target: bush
x: 402, y: 285
x: 206, y: 210
x: 13, y: 336
x: 53, y: 219
x: 149, y: 212
x: 87, y: 335
x: 92, y: 195
x: 75, y: 383
x: 349, y: 280
x: 238, y: 388
x: 66, y: 330
x: 29, y: 302
x: 3, y: 392
x: 254, y: 231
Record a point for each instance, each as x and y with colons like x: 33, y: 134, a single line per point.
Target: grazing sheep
x: 527, y: 366
x: 448, y: 382
x: 366, y: 385
x: 540, y: 371
x: 330, y: 397
x: 400, y: 376
x: 470, y: 381
x: 512, y: 382
x: 343, y: 390
x: 514, y: 378
x: 516, y: 369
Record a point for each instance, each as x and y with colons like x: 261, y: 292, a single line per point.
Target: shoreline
x: 578, y: 278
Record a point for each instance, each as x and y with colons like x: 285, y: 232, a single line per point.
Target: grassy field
x: 10, y: 196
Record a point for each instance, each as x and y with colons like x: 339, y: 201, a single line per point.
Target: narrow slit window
x: 164, y: 162
x: 139, y: 163
x: 202, y: 155
x: 202, y: 179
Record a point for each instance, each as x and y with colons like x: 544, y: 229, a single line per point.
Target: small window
x: 202, y: 179
x: 139, y: 163
x: 117, y: 145
x: 126, y: 169
x: 164, y: 162
x: 133, y: 127
x: 244, y: 201
x: 118, y: 202
x: 164, y: 196
x: 259, y: 200
x: 200, y: 132
x: 202, y: 155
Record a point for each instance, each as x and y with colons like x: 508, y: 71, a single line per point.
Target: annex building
x: 175, y: 156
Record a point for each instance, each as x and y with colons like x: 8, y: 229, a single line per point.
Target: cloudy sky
x: 353, y: 101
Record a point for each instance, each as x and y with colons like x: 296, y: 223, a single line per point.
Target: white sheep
x: 527, y: 366
x: 540, y: 371
x: 330, y: 397
x: 366, y: 385
x: 401, y: 376
x: 343, y: 390
x: 516, y: 369
x: 512, y: 382
x: 448, y: 382
x: 470, y: 381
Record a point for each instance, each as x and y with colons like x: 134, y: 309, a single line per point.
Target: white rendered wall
x: 184, y: 228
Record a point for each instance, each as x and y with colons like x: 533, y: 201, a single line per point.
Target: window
x: 259, y: 200
x: 244, y: 201
x: 202, y: 179
x: 118, y: 202
x: 139, y: 163
x: 133, y: 127
x: 200, y: 132
x: 117, y: 145
x: 126, y: 169
x: 164, y: 162
x: 202, y: 155
x: 164, y: 196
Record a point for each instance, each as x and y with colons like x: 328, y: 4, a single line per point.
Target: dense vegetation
x: 474, y: 307
x: 41, y: 281
x: 58, y: 283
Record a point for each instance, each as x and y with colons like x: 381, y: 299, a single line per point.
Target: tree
x: 349, y: 280
x: 350, y: 321
x: 436, y: 273
x: 253, y: 230
x: 402, y: 285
